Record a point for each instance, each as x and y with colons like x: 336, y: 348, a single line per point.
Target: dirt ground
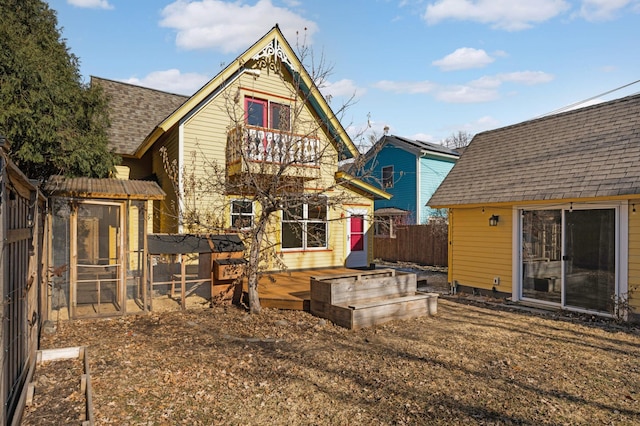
x: 474, y: 363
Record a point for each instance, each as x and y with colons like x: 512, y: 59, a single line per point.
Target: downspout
x: 419, y: 205
x: 453, y: 286
x: 181, y: 201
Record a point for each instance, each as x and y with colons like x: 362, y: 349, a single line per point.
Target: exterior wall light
x: 493, y: 220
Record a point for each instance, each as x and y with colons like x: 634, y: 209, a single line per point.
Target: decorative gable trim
x: 269, y: 56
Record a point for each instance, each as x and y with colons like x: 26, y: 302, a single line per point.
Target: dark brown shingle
x: 589, y: 152
x: 134, y: 112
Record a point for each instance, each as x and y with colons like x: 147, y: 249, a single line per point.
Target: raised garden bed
x: 367, y: 298
x: 59, y: 389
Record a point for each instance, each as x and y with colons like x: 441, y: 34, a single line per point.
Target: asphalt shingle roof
x: 134, y: 112
x: 416, y: 145
x: 589, y: 152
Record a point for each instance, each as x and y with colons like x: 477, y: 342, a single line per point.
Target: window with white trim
x: 304, y: 224
x: 241, y: 214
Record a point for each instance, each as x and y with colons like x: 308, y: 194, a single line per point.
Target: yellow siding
x: 479, y: 252
x: 164, y: 212
x: 634, y: 261
x: 134, y: 243
x: 138, y: 168
x: 336, y: 253
x: 204, y: 149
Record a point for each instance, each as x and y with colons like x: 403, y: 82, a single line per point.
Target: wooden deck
x: 291, y: 290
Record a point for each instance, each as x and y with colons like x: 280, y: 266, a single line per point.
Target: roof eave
x: 377, y: 193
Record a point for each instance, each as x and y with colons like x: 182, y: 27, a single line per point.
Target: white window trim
x: 621, y: 241
x: 304, y: 221
x: 231, y: 214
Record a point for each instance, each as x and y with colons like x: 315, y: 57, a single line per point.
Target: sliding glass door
x: 590, y: 259
x: 569, y: 257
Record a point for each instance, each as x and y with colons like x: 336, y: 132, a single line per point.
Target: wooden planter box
x: 369, y: 297
x: 84, y: 383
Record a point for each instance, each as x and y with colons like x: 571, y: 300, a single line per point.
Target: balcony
x: 261, y: 150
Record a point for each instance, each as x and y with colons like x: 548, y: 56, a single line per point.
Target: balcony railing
x: 257, y: 144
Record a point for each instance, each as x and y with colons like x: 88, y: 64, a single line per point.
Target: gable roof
x: 417, y: 147
x: 134, y: 112
x: 584, y: 153
x: 274, y: 44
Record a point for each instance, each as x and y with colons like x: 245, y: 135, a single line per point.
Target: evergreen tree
x: 55, y: 124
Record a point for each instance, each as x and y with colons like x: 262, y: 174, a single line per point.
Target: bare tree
x: 458, y: 140
x: 275, y: 175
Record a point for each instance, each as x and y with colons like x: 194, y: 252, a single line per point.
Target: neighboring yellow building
x: 261, y: 116
x: 544, y: 211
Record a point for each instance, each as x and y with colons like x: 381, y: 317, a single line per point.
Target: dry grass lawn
x: 470, y: 364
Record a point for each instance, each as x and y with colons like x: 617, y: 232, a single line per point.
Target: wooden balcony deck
x: 291, y: 290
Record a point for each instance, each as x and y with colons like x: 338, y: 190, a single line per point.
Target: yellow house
x: 217, y: 154
x: 544, y: 211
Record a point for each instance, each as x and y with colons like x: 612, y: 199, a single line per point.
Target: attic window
x: 387, y: 177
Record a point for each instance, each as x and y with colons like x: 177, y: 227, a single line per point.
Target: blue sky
x: 424, y: 68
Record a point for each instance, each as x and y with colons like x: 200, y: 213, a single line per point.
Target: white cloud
x: 464, y: 58
x: 486, y: 122
x: 486, y: 88
x: 342, y: 88
x: 474, y: 127
x: 91, y: 4
x: 424, y: 137
x: 407, y: 87
x: 528, y: 78
x: 501, y: 14
x: 601, y: 10
x: 172, y: 81
x: 486, y: 82
x: 466, y: 94
x: 231, y: 26
x: 483, y: 89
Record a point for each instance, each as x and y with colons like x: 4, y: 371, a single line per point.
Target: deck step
x: 365, y: 304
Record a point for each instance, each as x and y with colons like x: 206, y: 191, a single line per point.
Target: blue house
x: 411, y: 171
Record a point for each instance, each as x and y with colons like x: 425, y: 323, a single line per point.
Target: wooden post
x: 150, y: 284
x: 145, y: 257
x: 183, y: 284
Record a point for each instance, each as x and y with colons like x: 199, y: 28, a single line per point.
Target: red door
x: 357, y: 247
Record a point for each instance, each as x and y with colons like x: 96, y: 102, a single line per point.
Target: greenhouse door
x: 97, y: 261
x: 569, y: 258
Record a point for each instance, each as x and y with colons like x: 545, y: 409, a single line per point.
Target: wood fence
x: 21, y: 233
x: 421, y: 244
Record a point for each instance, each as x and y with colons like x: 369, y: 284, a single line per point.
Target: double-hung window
x: 241, y: 214
x: 304, y: 224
